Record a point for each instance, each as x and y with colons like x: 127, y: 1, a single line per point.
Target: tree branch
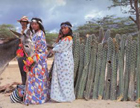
x: 132, y: 5
x: 133, y: 19
x: 137, y: 13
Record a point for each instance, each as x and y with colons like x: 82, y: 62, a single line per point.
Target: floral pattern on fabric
x: 38, y: 82
x: 62, y: 83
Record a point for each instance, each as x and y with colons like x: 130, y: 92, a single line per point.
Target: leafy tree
x: 134, y: 9
x: 7, y: 26
x: 5, y: 31
x: 117, y: 25
x: 51, y: 37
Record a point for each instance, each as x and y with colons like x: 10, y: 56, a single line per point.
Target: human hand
x: 51, y: 51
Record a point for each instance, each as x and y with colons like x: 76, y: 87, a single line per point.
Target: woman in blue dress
x: 38, y: 82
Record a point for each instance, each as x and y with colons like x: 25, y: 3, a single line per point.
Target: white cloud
x: 61, y: 2
x: 53, y: 12
x: 102, y: 13
x: 93, y: 14
x: 53, y: 31
x: 18, y: 29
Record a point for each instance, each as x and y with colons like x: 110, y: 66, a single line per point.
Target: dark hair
x: 70, y: 33
x: 67, y: 23
x: 40, y: 25
x: 60, y: 32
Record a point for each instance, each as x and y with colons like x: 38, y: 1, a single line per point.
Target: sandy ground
x: 11, y: 74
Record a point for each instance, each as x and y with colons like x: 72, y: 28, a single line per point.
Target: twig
x: 132, y: 19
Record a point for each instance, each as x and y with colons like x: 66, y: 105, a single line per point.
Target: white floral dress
x: 62, y: 84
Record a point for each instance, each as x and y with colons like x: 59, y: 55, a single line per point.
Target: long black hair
x: 39, y: 21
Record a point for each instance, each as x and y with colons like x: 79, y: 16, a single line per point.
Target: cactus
x: 82, y: 82
x: 117, y: 43
x: 132, y: 71
x: 102, y: 75
x: 101, y: 35
x: 74, y: 41
x: 106, y: 36
x: 94, y: 39
x: 81, y: 66
x: 113, y: 76
x: 76, y: 55
x: 127, y: 67
x: 117, y: 48
x: 97, y: 72
x: 109, y: 68
x: 121, y: 67
x: 138, y: 70
x: 91, y: 72
x: 114, y: 56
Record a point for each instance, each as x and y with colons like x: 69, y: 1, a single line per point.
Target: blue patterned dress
x: 38, y: 83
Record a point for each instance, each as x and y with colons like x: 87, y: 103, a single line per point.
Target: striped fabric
x: 17, y: 94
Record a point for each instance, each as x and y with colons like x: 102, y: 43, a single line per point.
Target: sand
x: 12, y: 74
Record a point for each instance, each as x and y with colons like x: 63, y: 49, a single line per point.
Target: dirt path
x: 12, y: 74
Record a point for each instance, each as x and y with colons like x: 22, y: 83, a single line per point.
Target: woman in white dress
x: 62, y: 84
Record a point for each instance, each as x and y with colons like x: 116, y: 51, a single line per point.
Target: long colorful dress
x: 62, y: 84
x: 38, y: 83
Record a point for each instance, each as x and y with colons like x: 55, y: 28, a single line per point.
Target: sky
x: 53, y: 12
